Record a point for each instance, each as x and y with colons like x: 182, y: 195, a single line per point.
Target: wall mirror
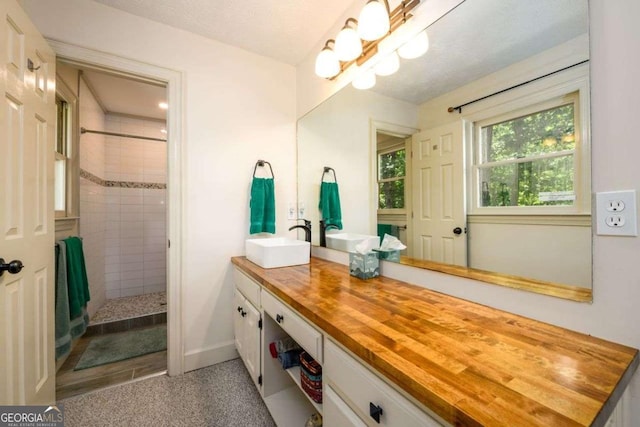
x: 496, y: 188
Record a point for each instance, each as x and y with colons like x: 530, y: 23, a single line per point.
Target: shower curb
x: 126, y: 324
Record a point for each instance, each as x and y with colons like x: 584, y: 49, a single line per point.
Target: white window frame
x: 71, y: 152
x: 407, y: 158
x: 546, y: 94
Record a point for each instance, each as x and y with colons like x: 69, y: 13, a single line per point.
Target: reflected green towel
x: 263, y: 206
x: 76, y: 277
x: 384, y: 229
x: 330, y: 204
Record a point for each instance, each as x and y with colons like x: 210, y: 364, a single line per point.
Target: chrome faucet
x: 307, y: 229
x: 323, y: 232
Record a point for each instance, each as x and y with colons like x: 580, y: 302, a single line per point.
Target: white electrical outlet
x: 616, y: 213
x: 301, y: 210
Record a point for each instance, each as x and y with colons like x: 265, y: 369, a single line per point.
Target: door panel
x: 27, y: 126
x: 438, y: 195
x: 252, y: 341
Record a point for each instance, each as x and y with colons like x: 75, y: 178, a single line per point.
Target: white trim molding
x: 175, y: 154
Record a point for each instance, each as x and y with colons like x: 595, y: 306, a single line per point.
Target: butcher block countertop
x: 471, y: 364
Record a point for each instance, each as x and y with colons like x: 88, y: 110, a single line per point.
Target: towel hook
x: 327, y: 169
x: 261, y: 163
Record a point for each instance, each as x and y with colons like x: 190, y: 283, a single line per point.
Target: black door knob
x: 13, y: 267
x: 457, y: 230
x: 279, y: 318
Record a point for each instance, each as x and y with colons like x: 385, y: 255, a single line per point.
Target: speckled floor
x: 129, y: 307
x: 220, y: 395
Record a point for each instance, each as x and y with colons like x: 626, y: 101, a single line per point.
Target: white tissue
x: 366, y: 246
x: 391, y: 243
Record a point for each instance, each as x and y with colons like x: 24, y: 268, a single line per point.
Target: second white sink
x: 347, y: 241
x: 276, y: 252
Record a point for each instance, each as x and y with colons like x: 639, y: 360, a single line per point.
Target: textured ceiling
x: 285, y: 30
x: 480, y: 37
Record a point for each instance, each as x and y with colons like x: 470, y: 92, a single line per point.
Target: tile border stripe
x: 123, y: 184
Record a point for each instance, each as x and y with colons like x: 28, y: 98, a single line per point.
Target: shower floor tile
x: 129, y: 307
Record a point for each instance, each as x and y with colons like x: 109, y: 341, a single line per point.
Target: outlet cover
x: 616, y: 213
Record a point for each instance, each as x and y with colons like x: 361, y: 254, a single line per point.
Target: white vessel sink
x: 275, y: 252
x: 347, y: 241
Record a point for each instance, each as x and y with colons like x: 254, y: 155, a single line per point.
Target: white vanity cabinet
x: 260, y: 319
x: 353, y: 396
x: 362, y: 394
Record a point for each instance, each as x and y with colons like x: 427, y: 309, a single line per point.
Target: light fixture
x: 417, y: 46
x: 163, y: 105
x: 348, y: 45
x: 327, y: 63
x: 373, y: 22
x: 366, y: 80
x: 389, y: 65
x: 360, y: 40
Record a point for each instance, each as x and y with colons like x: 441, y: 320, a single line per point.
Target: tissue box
x: 364, y: 266
x: 392, y: 255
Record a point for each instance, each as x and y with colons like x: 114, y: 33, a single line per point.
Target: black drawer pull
x: 375, y: 412
x: 243, y: 313
x: 279, y: 318
x: 239, y: 309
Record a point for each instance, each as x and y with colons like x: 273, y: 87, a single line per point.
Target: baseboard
x: 202, y: 358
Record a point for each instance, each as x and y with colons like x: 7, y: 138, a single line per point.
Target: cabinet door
x: 336, y: 413
x: 238, y: 321
x: 252, y: 341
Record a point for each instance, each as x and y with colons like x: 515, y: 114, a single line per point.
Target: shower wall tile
x: 138, y: 214
x: 93, y: 212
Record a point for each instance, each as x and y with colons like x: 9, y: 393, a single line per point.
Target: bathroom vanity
x: 395, y: 354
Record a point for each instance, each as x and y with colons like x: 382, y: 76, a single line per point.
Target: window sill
x: 66, y: 223
x: 583, y: 220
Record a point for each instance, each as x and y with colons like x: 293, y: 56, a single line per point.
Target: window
x: 63, y: 127
x: 66, y: 149
x: 391, y: 178
x: 530, y: 158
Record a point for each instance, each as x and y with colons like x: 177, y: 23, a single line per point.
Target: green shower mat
x: 121, y: 346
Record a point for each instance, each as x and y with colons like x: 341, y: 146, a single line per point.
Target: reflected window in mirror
x: 528, y: 161
x: 391, y: 178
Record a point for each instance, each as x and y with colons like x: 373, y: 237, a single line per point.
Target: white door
x: 252, y: 341
x: 27, y: 141
x: 439, y: 226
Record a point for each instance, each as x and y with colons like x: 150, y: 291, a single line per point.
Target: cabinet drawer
x: 366, y: 392
x: 336, y: 413
x: 248, y: 287
x: 303, y: 333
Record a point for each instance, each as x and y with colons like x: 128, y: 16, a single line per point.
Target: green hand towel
x: 384, y: 229
x: 330, y: 204
x: 263, y: 206
x: 76, y: 277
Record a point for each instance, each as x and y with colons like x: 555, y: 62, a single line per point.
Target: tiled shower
x: 122, y: 204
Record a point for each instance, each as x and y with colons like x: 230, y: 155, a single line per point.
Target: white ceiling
x: 126, y: 96
x: 285, y: 30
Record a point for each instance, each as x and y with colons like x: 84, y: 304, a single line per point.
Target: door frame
x: 175, y: 157
x: 400, y: 131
